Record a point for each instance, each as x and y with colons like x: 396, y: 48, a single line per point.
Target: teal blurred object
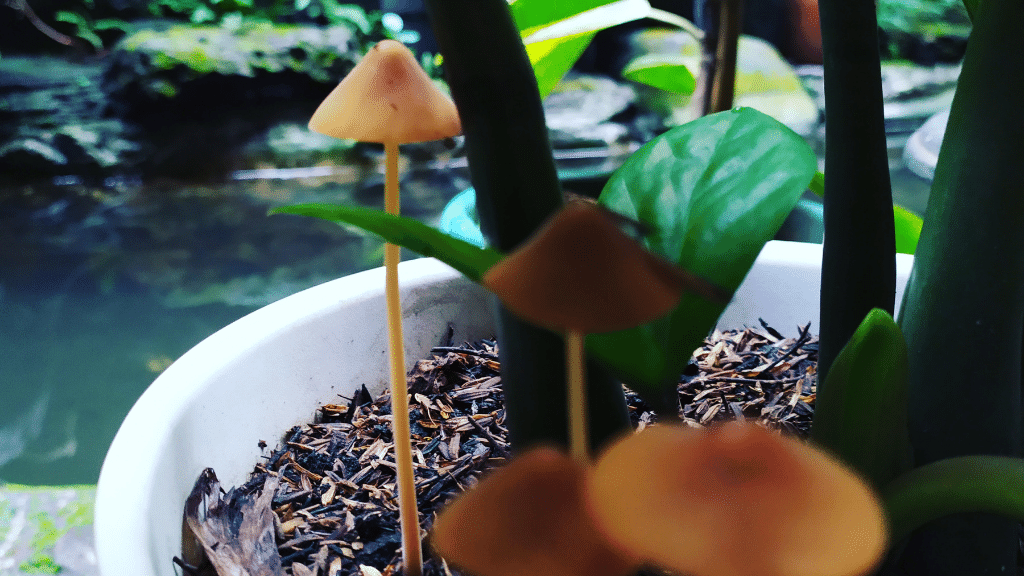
x: 459, y: 219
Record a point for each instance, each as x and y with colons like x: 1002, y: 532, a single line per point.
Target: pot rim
x: 126, y: 540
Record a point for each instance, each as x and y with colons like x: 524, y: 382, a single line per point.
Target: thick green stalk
x: 517, y: 188
x: 858, y: 269
x: 964, y: 307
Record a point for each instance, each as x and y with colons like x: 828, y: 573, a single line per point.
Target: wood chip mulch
x: 335, y: 502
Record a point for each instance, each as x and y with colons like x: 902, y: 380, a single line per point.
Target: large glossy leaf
x: 468, y: 259
x: 713, y: 191
x: 861, y: 411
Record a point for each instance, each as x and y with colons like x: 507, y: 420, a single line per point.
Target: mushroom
x: 388, y: 98
x: 581, y: 274
x: 528, y: 517
x: 736, y: 500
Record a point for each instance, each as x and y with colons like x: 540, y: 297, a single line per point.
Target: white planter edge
x: 212, y: 406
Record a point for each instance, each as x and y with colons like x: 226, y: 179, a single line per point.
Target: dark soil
x: 336, y: 508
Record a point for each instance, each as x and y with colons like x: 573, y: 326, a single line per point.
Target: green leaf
x: 532, y: 14
x: 665, y: 72
x: 817, y: 184
x: 589, y: 21
x: 908, y: 229
x: 567, y: 29
x: 860, y: 414
x: 472, y: 261
x: 551, y: 59
x: 70, y: 17
x: 113, y: 24
x: 713, y: 191
x: 908, y: 225
x: 993, y: 484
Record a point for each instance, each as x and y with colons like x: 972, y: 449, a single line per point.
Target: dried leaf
x: 236, y: 530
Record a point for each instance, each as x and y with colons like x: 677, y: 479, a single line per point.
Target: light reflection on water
x: 101, y: 287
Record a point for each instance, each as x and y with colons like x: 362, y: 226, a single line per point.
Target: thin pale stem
x: 576, y: 376
x: 412, y: 555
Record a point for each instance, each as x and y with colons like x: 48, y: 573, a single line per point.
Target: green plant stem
x: 965, y: 298
x: 858, y: 269
x: 513, y: 172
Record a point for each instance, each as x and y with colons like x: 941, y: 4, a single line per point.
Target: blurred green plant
x: 909, y: 25
x: 99, y: 26
x: 90, y: 29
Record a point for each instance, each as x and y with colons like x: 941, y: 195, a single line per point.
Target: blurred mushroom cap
x: 527, y: 517
x: 736, y: 500
x: 387, y: 97
x: 579, y: 271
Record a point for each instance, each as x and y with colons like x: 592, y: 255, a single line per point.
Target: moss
x: 208, y: 49
x: 40, y: 563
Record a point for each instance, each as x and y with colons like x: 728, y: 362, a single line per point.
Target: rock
x: 205, y: 98
x: 159, y: 58
x: 54, y: 119
x: 580, y: 109
x: 293, y: 145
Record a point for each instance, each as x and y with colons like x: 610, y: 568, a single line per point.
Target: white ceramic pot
x: 270, y: 370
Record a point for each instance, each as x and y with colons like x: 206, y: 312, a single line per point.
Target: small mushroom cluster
x: 729, y: 501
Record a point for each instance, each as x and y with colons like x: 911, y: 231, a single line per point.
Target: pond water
x: 103, y: 285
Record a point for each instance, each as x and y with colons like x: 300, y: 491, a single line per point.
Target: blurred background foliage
x: 96, y: 25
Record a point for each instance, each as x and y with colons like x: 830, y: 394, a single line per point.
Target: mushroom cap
x: 736, y: 500
x: 388, y: 98
x: 527, y: 517
x: 579, y: 271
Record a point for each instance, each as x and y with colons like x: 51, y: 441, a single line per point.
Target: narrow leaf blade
x: 860, y: 414
x: 954, y: 485
x: 470, y: 260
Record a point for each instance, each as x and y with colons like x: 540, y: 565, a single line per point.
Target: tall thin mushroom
x: 388, y: 98
x: 580, y: 274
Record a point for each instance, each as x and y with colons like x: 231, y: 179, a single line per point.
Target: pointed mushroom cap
x: 736, y: 500
x: 387, y: 97
x: 527, y: 517
x: 579, y: 271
